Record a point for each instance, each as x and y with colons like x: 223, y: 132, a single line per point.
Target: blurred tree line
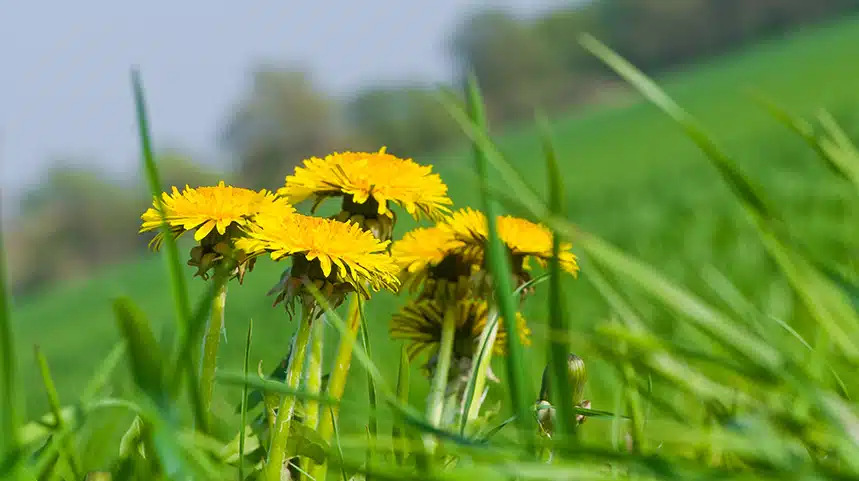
x: 78, y: 219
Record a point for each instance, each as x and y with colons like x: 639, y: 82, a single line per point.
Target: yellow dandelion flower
x: 210, y: 208
x: 217, y: 214
x: 369, y: 182
x: 337, y: 257
x: 423, y: 248
x: 419, y: 323
x: 524, y: 239
x: 429, y: 257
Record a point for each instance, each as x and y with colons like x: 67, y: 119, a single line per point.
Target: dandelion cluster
x: 444, y: 265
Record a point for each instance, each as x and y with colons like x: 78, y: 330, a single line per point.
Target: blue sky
x: 64, y: 91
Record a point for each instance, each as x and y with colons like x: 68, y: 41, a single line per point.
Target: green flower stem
x: 479, y: 371
x: 280, y: 434
x: 211, y: 342
x: 314, y: 380
x: 314, y: 372
x: 337, y: 381
x: 435, y: 407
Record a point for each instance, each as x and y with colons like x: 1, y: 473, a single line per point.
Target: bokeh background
x: 243, y: 92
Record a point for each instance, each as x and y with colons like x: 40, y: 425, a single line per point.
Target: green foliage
x: 742, y: 375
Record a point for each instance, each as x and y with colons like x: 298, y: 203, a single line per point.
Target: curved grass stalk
x: 280, y: 434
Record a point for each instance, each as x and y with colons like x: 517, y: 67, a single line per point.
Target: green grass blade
x: 371, y: 383
x: 10, y: 402
x: 826, y: 303
x: 559, y: 330
x: 270, y: 386
x: 400, y: 451
x: 336, y: 429
x: 174, y: 265
x: 838, y: 149
x: 475, y: 129
x: 102, y: 375
x: 742, y: 187
x: 711, y: 321
x: 147, y: 367
x: 244, y: 408
x: 66, y: 449
x: 797, y: 125
x: 373, y: 421
x: 499, y: 266
x: 477, y: 377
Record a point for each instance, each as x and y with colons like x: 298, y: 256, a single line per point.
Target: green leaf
x: 147, y: 367
x: 306, y: 442
x: 558, y: 348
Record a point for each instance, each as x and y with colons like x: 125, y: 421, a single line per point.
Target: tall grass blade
x: 336, y: 431
x: 711, y: 321
x: 102, y: 375
x: 244, y: 406
x: 765, y: 218
x: 795, y: 124
x: 739, y: 184
x: 403, y: 373
x: 174, y: 265
x: 147, y: 366
x: 373, y: 421
x: 10, y: 402
x: 559, y: 330
x: 476, y: 130
x: 66, y: 448
x: 499, y: 267
x: 826, y: 303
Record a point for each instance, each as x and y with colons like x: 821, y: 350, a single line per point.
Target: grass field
x: 630, y: 176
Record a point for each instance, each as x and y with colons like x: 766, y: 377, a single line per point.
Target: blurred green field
x: 631, y: 177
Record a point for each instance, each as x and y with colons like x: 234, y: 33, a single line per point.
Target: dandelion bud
x: 576, y: 373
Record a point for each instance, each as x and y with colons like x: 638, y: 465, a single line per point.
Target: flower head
x: 218, y: 215
x: 337, y: 257
x: 369, y: 182
x: 524, y: 240
x: 428, y: 258
x: 420, y: 324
